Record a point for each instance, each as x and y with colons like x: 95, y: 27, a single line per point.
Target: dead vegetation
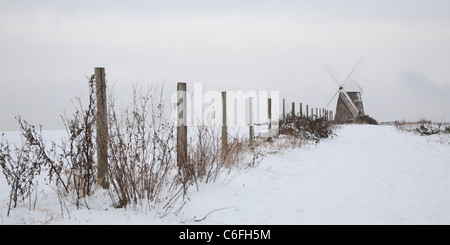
x: 306, y: 128
x: 20, y: 165
x: 77, y: 152
x: 141, y: 149
x: 142, y: 169
x: 365, y: 119
x: 423, y: 127
x: 142, y: 165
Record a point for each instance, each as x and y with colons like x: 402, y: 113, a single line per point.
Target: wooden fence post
x: 317, y: 114
x: 301, y: 109
x: 224, y: 123
x: 307, y: 111
x: 250, y: 120
x: 181, y: 125
x: 312, y: 113
x: 284, y: 111
x: 293, y: 110
x: 269, y: 112
x: 102, y: 127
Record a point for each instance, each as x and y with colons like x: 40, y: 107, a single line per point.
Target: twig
x: 198, y: 220
x: 179, y: 210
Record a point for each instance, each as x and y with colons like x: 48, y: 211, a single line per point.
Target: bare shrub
x: 423, y: 126
x: 430, y: 129
x: 307, y: 128
x: 33, y: 141
x: 19, y: 167
x: 206, y: 157
x: 78, y: 151
x: 70, y: 166
x: 140, y: 149
x: 21, y: 164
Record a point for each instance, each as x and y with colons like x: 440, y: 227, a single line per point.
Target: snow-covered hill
x: 365, y: 175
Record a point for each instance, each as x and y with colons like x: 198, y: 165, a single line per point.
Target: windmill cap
x: 352, y: 86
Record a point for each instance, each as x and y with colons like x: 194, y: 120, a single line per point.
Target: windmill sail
x: 350, y: 104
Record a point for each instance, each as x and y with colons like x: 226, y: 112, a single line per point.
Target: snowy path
x: 366, y: 175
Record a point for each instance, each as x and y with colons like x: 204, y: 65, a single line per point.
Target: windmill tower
x: 349, y: 104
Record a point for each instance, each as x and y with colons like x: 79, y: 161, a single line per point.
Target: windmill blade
x: 333, y: 97
x: 349, y: 102
x: 357, y: 67
x: 357, y: 84
x: 327, y: 68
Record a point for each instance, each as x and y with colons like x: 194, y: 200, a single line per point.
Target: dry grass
x: 423, y: 127
x: 307, y: 128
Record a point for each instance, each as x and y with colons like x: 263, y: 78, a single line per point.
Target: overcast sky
x: 47, y: 48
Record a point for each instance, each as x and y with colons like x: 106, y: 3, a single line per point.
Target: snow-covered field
x: 365, y: 175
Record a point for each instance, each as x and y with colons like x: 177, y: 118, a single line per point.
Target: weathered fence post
x: 317, y: 113
x: 250, y: 120
x: 269, y: 115
x: 284, y: 111
x: 269, y: 112
x: 102, y: 127
x: 312, y: 113
x: 307, y: 111
x: 301, y: 110
x: 224, y: 123
x: 181, y: 125
x: 293, y: 110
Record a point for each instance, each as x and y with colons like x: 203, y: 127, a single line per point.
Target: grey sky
x: 48, y: 47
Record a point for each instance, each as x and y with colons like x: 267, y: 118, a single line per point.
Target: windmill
x: 349, y: 104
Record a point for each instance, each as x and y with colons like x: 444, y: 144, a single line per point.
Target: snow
x: 365, y: 175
